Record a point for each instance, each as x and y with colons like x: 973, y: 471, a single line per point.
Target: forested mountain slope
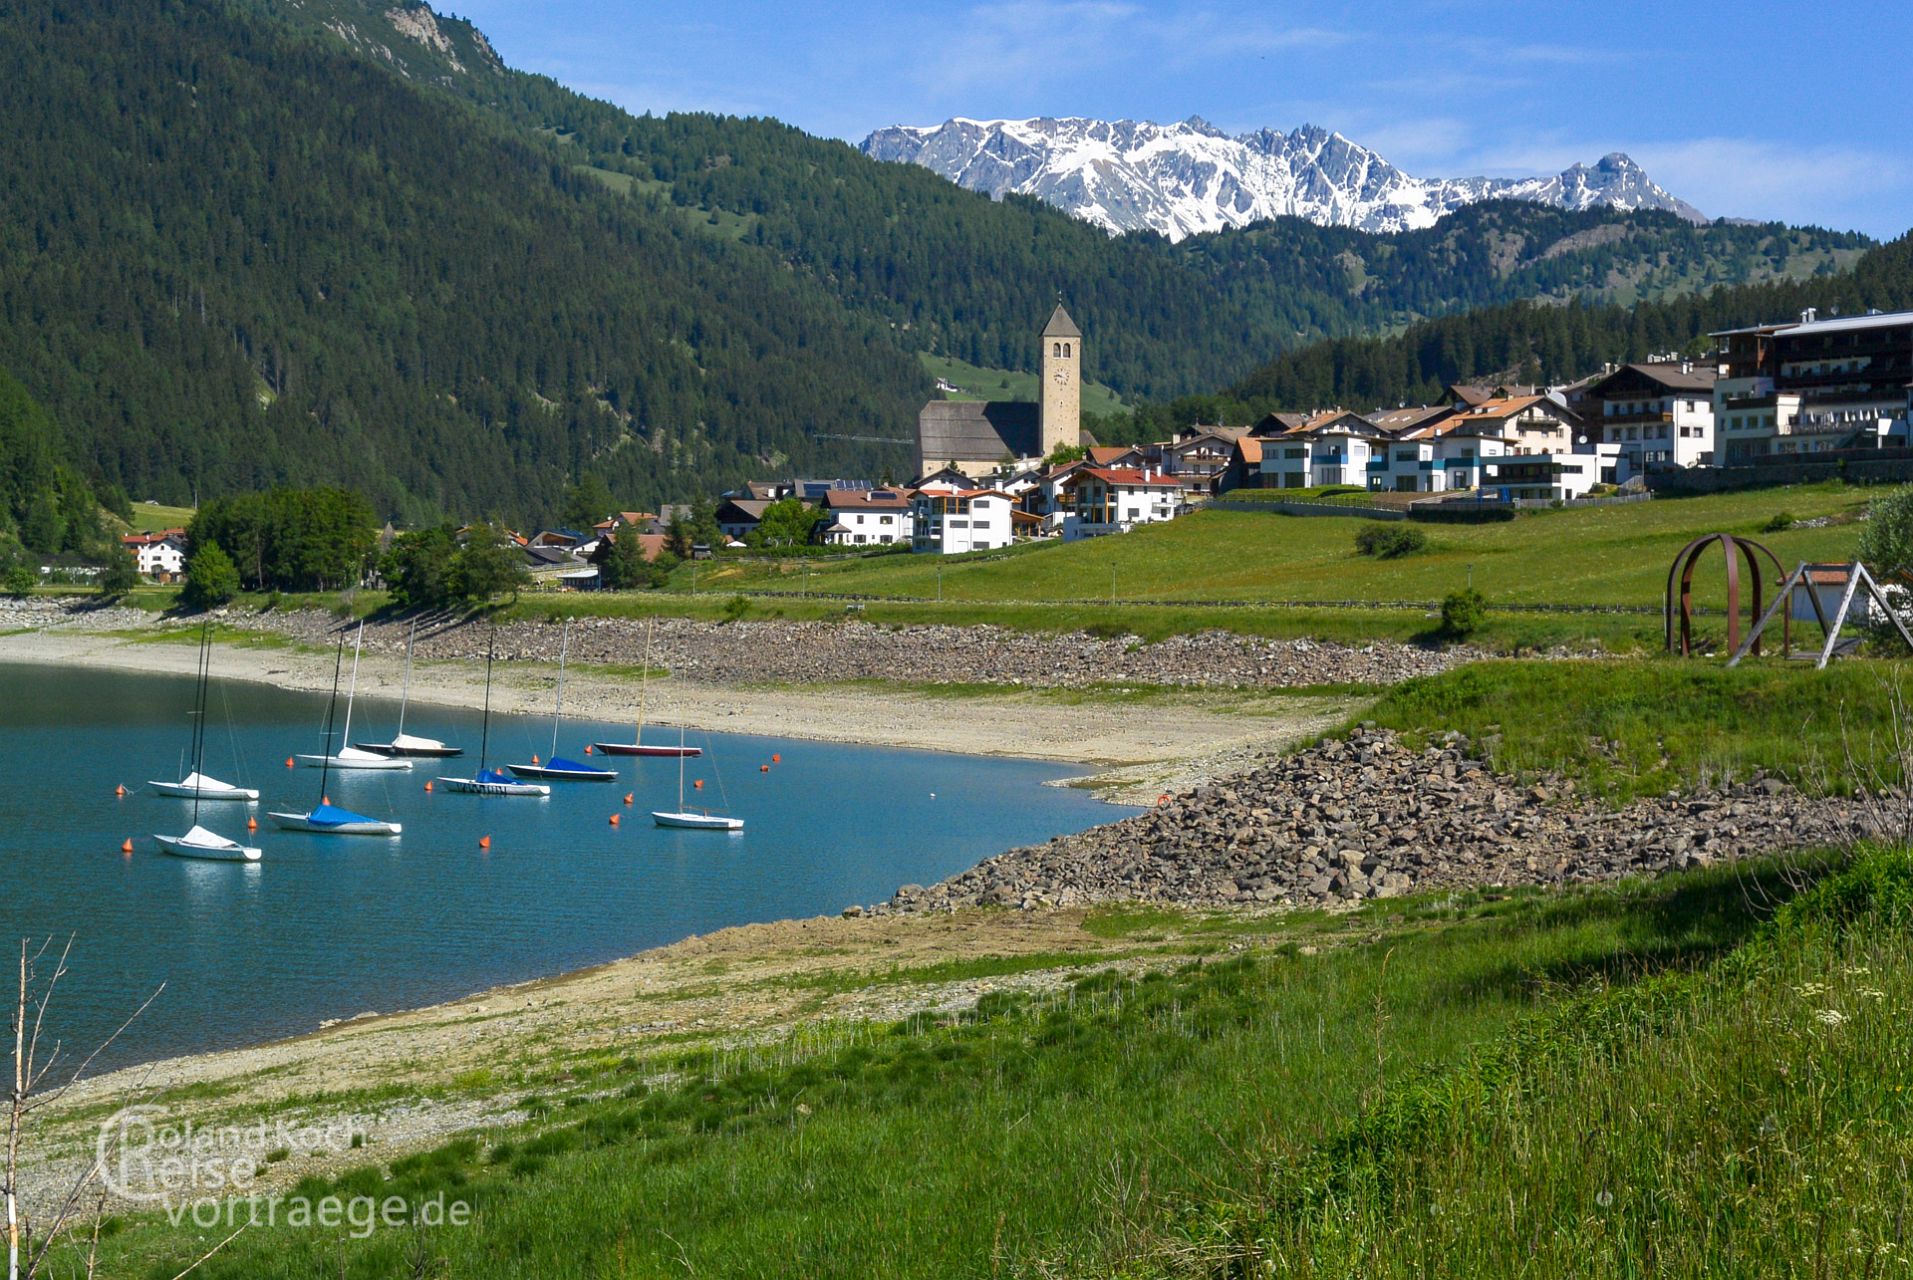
x: 253, y: 241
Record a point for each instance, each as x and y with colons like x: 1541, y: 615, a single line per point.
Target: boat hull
x: 406, y: 751
x: 697, y: 821
x: 547, y: 774
x: 304, y: 822
x: 641, y: 749
x: 219, y: 850
x: 181, y: 791
x: 354, y: 760
x: 480, y: 787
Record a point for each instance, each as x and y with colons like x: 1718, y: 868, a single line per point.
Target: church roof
x: 1060, y: 325
x: 979, y: 430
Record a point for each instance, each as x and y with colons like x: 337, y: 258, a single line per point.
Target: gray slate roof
x: 1060, y: 325
x: 981, y: 431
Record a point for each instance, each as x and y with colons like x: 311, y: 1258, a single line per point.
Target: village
x: 990, y: 474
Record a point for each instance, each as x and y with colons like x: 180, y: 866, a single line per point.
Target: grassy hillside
x: 1584, y: 558
x: 977, y: 383
x: 1489, y: 1085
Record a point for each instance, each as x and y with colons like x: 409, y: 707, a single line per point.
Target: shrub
x: 1463, y: 612
x: 1779, y: 521
x: 1886, y: 544
x: 735, y: 608
x: 1389, y: 541
x: 211, y: 578
x: 18, y: 582
x: 120, y: 576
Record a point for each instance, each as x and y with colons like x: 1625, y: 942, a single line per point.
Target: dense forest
x: 1539, y: 343
x: 247, y: 244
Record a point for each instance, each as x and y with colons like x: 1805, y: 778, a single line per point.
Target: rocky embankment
x: 47, y: 613
x: 775, y: 652
x: 1371, y: 817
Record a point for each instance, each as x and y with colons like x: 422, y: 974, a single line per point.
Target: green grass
x: 1121, y: 1123
x: 151, y: 517
x: 1629, y: 728
x: 979, y: 383
x: 1600, y: 557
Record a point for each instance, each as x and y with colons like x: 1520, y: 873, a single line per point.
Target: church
x: 975, y: 436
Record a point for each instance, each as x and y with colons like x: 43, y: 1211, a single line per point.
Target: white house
x: 160, y: 556
x: 1114, y: 500
x: 1660, y: 414
x: 951, y: 521
x: 1340, y: 447
x: 1552, y: 477
x: 868, y: 517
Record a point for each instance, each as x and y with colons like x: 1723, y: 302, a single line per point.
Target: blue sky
x: 1752, y: 109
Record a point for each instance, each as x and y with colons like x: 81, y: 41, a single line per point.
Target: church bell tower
x: 1060, y: 361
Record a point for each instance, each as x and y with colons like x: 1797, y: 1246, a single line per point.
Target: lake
x: 329, y: 927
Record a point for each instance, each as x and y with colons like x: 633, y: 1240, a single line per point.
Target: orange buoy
x: 1163, y: 799
x: 288, y: 762
x: 252, y: 824
x: 325, y: 799
x: 126, y: 846
x: 629, y: 796
x: 484, y: 842
x: 699, y: 784
x: 776, y: 759
x: 587, y: 748
x: 428, y: 786
x: 535, y: 759
x: 614, y: 819
x: 120, y: 790
x: 763, y: 768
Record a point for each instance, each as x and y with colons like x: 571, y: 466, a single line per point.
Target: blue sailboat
x: 488, y: 781
x: 557, y: 768
x: 326, y: 818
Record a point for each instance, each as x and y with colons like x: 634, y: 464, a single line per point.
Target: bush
x: 1389, y: 541
x: 1463, y: 612
x: 735, y: 608
x: 211, y: 578
x: 120, y: 576
x: 1780, y: 520
x: 19, y: 581
x: 1886, y: 544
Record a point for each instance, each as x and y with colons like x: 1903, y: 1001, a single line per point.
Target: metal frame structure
x: 1681, y: 573
x: 1856, y: 577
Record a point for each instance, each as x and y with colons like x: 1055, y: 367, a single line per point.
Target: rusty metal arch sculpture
x: 1681, y: 575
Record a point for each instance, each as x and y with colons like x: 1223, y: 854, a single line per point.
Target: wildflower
x: 1830, y: 1017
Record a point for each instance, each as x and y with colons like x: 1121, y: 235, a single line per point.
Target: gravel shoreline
x: 1372, y: 817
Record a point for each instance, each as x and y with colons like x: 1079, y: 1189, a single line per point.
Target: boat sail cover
x: 327, y: 815
x: 492, y: 775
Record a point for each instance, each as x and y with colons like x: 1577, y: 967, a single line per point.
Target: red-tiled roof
x: 148, y: 539
x: 1129, y: 477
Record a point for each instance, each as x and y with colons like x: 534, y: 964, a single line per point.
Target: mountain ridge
x: 1190, y: 177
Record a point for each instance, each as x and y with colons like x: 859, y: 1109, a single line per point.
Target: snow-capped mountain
x: 1179, y: 179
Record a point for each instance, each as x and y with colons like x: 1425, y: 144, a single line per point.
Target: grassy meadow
x: 1702, y: 1071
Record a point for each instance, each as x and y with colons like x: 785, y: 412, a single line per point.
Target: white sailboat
x: 682, y: 817
x: 350, y: 757
x: 486, y: 781
x: 403, y: 743
x: 326, y: 819
x: 637, y: 745
x: 197, y: 785
x: 199, y: 842
x: 557, y: 768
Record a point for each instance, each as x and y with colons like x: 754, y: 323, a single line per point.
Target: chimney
x: 1687, y: 366
x: 1807, y: 315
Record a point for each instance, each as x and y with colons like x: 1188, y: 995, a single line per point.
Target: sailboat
x: 327, y: 819
x: 556, y: 768
x: 490, y: 782
x: 403, y: 743
x: 196, y: 785
x: 637, y: 747
x: 198, y: 842
x: 349, y: 757
x: 686, y: 819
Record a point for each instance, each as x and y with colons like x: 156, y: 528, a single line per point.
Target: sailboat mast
x: 485, y: 734
x: 199, y: 716
x: 405, y: 693
x: 357, y: 644
x: 331, y: 708
x: 644, y: 680
x: 558, y: 710
x: 680, y: 768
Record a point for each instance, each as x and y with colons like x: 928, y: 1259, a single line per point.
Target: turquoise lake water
x: 328, y: 927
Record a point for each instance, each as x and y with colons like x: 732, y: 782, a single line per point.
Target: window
x: 1066, y: 348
